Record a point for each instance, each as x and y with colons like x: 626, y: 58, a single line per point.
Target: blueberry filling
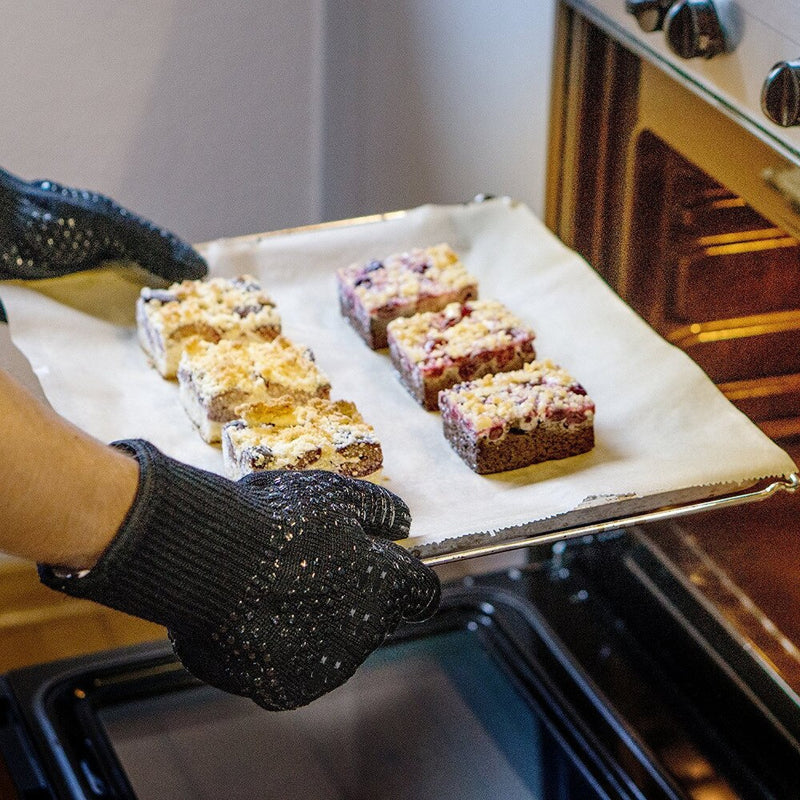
x: 247, y: 286
x: 243, y: 311
x: 261, y: 455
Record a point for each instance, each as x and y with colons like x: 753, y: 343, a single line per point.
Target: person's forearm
x: 63, y: 494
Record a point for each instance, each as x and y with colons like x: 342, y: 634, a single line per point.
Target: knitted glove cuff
x: 148, y: 568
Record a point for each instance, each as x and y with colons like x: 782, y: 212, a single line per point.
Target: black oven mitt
x: 47, y: 230
x: 275, y: 587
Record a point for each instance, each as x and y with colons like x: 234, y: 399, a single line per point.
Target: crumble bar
x: 372, y: 294
x: 213, y: 310
x: 435, y: 350
x: 514, y: 419
x: 319, y: 434
x: 215, y: 378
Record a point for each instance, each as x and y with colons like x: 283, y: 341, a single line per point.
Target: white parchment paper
x: 664, y: 432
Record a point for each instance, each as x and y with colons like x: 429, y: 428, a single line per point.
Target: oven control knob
x: 649, y: 13
x: 693, y: 29
x: 780, y: 95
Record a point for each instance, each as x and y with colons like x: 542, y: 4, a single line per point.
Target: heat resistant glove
x: 47, y: 230
x: 275, y: 587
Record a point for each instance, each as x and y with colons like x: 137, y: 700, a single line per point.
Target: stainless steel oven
x: 673, y: 169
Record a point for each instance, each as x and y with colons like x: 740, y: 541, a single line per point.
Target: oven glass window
x: 431, y: 718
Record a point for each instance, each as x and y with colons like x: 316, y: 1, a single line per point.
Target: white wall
x: 205, y: 117
x: 435, y: 102
x: 228, y: 118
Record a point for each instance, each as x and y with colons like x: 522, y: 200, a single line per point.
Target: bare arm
x: 63, y: 494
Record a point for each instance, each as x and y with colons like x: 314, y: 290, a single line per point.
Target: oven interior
x: 592, y: 671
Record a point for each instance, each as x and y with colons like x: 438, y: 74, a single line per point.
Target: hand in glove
x: 275, y: 587
x: 47, y: 230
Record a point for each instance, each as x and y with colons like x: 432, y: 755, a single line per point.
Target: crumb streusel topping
x: 224, y: 304
x: 404, y: 278
x: 250, y: 366
x: 436, y: 339
x: 538, y: 393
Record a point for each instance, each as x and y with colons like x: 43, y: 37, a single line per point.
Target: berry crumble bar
x: 372, y: 294
x: 319, y: 434
x: 514, y: 419
x: 434, y: 350
x: 214, y: 309
x: 214, y: 379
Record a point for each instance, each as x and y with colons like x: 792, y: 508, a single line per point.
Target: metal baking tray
x: 668, y: 442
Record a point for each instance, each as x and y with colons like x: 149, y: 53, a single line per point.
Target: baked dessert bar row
x: 242, y: 382
x: 472, y: 359
x: 513, y: 419
x: 373, y: 293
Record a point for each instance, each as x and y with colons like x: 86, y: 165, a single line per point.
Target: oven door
x: 467, y: 705
x: 687, y: 209
x: 590, y: 672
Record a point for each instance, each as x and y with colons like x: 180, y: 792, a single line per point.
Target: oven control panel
x: 743, y: 56
x: 706, y: 28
